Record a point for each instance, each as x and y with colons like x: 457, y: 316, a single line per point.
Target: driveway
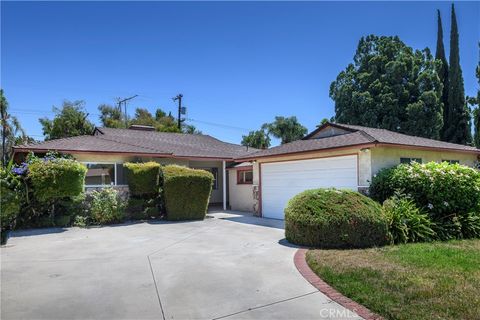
x: 230, y: 266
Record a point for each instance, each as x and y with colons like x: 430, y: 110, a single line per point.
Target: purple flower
x: 21, y: 169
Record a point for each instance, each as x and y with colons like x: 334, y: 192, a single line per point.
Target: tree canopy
x: 258, y: 139
x: 457, y: 125
x: 70, y: 120
x: 112, y: 117
x: 287, y: 129
x: 442, y: 71
x: 391, y: 86
x: 476, y: 111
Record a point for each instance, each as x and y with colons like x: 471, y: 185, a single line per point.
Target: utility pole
x: 124, y: 101
x: 181, y: 110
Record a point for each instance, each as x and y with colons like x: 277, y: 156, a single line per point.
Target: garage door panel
x: 318, y: 177
x: 283, y: 180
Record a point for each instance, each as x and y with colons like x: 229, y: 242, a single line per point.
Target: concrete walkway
x: 230, y: 266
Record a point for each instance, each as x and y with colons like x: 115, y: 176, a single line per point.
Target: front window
x: 104, y: 174
x: 244, y: 177
x: 410, y: 160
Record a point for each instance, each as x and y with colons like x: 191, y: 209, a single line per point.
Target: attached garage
x: 280, y: 181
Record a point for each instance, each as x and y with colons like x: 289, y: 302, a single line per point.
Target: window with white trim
x: 100, y: 174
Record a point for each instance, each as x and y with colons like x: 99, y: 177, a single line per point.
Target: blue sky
x: 238, y: 65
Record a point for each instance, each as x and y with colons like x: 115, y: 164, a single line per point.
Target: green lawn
x: 438, y: 280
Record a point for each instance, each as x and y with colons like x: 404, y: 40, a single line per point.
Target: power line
x: 124, y: 101
x: 219, y: 125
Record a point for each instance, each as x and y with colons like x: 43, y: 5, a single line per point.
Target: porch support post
x: 224, y: 185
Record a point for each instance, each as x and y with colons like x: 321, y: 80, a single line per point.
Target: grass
x: 439, y: 280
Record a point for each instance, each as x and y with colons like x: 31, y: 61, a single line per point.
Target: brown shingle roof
x: 386, y: 136
x: 358, y: 136
x: 108, y: 140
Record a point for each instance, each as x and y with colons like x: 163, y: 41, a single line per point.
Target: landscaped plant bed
x: 438, y: 280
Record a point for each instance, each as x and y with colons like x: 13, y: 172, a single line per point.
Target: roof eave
x: 360, y: 145
x: 408, y: 146
x: 146, y: 154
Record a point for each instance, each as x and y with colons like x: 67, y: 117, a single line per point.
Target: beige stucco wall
x: 86, y: 157
x: 241, y: 195
x: 385, y: 157
x: 216, y: 196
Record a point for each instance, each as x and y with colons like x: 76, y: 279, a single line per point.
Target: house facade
x: 340, y: 156
x: 106, y: 150
x: 251, y: 180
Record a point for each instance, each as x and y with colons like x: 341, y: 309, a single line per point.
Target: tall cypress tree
x: 442, y: 72
x: 476, y: 112
x: 457, y: 129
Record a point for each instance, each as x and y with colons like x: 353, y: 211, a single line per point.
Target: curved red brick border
x: 302, y: 266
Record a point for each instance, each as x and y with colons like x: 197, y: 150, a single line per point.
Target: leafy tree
x: 323, y: 121
x: 190, y: 129
x: 442, y: 71
x: 287, y: 129
x: 476, y: 123
x: 161, y: 121
x: 476, y: 112
x: 111, y: 117
x: 12, y: 132
x: 390, y: 86
x: 256, y: 139
x: 457, y: 126
x: 69, y: 121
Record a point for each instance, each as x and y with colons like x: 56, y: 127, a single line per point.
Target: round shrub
x: 56, y: 178
x: 186, y: 192
x: 330, y: 218
x: 441, y: 189
x: 143, y: 178
x: 106, y: 206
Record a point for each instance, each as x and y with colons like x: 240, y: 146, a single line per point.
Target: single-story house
x: 336, y: 155
x: 105, y: 151
x: 259, y: 181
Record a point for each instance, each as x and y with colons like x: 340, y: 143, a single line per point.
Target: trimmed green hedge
x: 331, y: 218
x: 143, y: 178
x: 57, y: 178
x: 186, y: 192
x: 10, y: 202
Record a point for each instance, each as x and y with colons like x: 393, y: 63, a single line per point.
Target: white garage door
x: 282, y: 180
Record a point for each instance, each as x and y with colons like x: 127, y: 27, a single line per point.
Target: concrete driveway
x: 229, y: 266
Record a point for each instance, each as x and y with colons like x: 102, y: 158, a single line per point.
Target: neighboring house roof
x: 356, y: 136
x: 143, y: 143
